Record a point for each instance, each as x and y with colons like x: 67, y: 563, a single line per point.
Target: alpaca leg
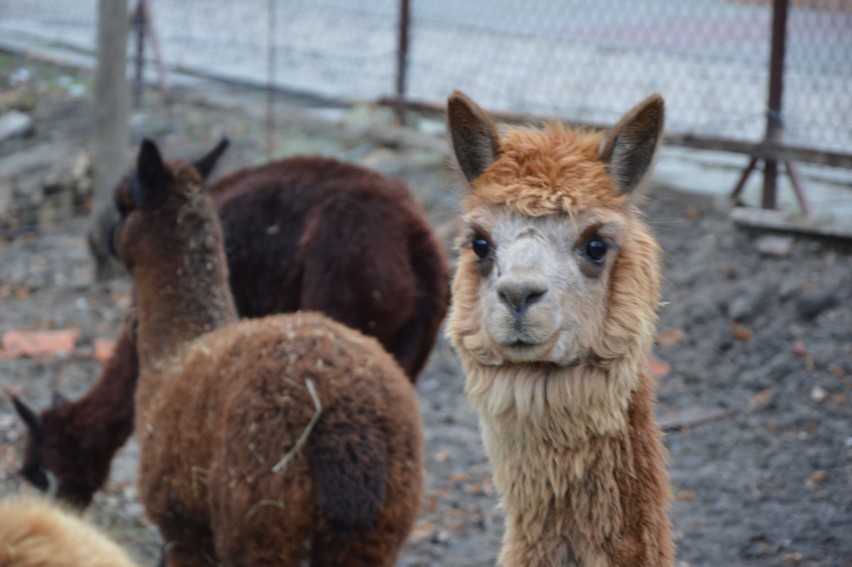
x: 520, y: 550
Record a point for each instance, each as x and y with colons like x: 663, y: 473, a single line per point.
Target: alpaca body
x: 208, y: 447
x: 333, y: 237
x: 301, y: 233
x: 553, y: 317
x: 284, y: 440
x: 36, y: 533
x: 77, y: 440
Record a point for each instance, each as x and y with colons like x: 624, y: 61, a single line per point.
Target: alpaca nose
x: 520, y: 292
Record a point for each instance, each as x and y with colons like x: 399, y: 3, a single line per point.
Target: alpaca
x: 36, y: 533
x: 74, y: 442
x: 294, y: 230
x: 315, y: 233
x: 553, y: 315
x: 282, y: 440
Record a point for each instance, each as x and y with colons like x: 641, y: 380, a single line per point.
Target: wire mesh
x: 581, y: 60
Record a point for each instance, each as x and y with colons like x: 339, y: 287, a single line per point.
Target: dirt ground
x: 755, y: 350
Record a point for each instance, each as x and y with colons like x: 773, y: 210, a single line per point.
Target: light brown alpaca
x: 553, y: 315
x: 36, y: 533
x: 287, y: 440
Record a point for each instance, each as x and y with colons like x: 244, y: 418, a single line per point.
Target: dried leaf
x: 459, y: 477
x: 690, y: 416
x: 761, y: 399
x: 422, y: 531
x: 837, y: 371
x: 816, y: 478
x: 658, y: 367
x: 740, y: 332
x: 686, y: 496
x: 442, y: 455
x: 670, y: 337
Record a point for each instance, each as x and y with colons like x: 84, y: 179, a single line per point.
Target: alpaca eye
x: 480, y: 247
x: 596, y: 250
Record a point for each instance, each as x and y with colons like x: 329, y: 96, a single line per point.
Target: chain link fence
x: 579, y: 60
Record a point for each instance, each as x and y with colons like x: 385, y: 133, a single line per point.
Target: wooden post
x: 111, y: 134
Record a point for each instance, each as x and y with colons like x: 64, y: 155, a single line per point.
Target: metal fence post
x: 773, y: 109
x: 402, y: 58
x: 139, y: 24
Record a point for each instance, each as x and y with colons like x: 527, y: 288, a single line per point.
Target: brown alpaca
x: 285, y: 440
x: 35, y: 533
x: 553, y: 316
x: 74, y: 442
x: 301, y: 233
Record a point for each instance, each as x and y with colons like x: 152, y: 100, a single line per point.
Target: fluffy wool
x: 555, y: 343
x: 284, y: 440
x: 36, y: 533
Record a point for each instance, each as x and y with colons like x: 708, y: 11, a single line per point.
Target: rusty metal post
x: 798, y: 187
x: 774, y: 123
x: 402, y: 58
x: 270, y: 79
x: 139, y: 24
x: 743, y: 178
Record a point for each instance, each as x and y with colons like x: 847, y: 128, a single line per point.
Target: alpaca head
x: 556, y: 267
x: 53, y: 459
x: 162, y: 193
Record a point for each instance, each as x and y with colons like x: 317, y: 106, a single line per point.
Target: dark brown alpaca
x: 300, y: 233
x: 285, y: 440
x: 75, y: 441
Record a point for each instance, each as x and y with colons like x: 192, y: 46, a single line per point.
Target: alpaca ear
x: 151, y: 175
x: 29, y: 416
x: 629, y: 147
x: 205, y: 164
x: 475, y: 138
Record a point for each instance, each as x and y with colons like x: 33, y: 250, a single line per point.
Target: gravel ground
x: 755, y: 350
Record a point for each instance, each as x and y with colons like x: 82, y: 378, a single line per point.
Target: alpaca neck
x: 561, y: 444
x: 182, y: 296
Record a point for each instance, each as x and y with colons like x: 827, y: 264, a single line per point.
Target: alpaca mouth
x: 523, y: 345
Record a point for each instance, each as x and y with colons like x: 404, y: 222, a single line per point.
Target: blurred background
x: 731, y: 84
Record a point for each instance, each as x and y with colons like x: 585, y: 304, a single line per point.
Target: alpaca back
x: 36, y: 533
x: 317, y: 222
x: 239, y: 405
